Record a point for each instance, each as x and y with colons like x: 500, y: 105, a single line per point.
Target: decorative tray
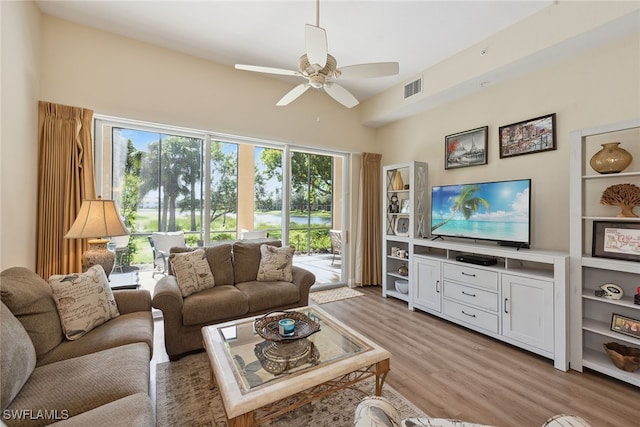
x: 267, y: 326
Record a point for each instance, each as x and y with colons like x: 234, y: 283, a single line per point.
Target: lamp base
x: 98, y: 254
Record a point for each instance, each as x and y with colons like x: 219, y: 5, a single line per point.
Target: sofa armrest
x: 304, y: 279
x: 167, y: 295
x: 130, y: 301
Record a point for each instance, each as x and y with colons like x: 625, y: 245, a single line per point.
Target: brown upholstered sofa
x: 99, y: 379
x: 236, y: 293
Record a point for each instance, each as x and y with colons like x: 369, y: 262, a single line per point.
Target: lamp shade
x: 97, y: 218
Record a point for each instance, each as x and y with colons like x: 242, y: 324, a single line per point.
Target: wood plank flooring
x: 451, y: 372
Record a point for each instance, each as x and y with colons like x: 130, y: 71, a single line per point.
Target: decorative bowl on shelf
x: 402, y: 286
x: 625, y: 358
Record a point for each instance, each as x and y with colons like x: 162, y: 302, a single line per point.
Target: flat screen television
x: 498, y: 211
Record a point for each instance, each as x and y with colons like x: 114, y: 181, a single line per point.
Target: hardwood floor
x: 451, y: 372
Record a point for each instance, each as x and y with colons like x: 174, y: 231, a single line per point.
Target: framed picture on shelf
x: 625, y: 325
x: 617, y: 240
x: 468, y: 148
x: 529, y: 136
x: 405, y: 206
x: 401, y: 227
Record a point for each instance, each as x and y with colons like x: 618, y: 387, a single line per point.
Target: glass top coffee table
x: 259, y: 380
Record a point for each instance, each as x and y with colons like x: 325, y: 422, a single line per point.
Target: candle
x: 286, y: 326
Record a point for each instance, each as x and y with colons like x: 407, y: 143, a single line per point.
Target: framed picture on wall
x: 468, y: 148
x: 529, y: 136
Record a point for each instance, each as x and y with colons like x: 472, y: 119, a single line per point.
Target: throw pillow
x: 29, y: 298
x: 192, y: 271
x: 84, y: 301
x: 275, y: 264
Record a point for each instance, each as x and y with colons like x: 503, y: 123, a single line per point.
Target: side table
x: 124, y: 281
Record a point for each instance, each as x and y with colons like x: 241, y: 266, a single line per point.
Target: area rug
x: 330, y: 295
x: 183, y: 398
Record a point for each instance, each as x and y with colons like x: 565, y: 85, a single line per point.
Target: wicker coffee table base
x: 288, y: 404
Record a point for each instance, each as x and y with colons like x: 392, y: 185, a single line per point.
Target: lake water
x: 260, y: 218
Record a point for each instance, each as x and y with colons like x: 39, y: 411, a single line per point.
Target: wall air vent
x: 413, y: 88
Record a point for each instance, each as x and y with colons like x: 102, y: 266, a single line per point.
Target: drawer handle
x: 438, y: 286
x: 468, y: 294
x: 467, y: 274
x: 506, y: 301
x: 467, y: 314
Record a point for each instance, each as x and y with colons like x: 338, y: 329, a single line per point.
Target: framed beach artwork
x: 468, y: 148
x: 529, y: 136
x: 616, y: 239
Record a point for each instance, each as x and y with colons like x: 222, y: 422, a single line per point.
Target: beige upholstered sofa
x: 99, y: 379
x: 376, y: 411
x: 235, y: 294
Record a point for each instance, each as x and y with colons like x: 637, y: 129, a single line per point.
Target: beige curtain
x: 371, y: 220
x: 65, y: 178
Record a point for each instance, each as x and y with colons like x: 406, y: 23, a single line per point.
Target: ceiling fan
x: 320, y: 68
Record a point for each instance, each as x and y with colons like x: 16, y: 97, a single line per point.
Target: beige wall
x: 18, y: 148
x: 599, y: 87
x: 122, y: 77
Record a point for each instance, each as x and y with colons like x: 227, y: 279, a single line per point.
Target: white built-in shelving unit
x: 591, y: 315
x: 414, y: 221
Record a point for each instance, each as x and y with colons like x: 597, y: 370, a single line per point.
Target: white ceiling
x: 417, y: 34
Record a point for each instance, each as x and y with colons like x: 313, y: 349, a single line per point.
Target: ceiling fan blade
x: 365, y: 71
x: 293, y: 94
x: 341, y: 95
x: 269, y: 70
x: 315, y: 39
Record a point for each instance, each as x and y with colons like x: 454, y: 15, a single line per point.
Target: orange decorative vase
x: 611, y: 159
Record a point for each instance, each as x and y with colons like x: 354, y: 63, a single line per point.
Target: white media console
x: 521, y: 299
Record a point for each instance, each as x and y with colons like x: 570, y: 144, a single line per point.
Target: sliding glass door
x: 213, y: 188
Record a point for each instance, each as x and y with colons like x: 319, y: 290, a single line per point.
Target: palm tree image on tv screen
x: 497, y: 211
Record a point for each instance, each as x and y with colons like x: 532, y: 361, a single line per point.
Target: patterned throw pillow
x: 275, y: 264
x: 192, y: 271
x: 84, y: 301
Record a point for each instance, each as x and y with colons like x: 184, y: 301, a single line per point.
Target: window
x: 213, y: 188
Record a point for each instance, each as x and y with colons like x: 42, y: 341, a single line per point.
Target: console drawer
x: 470, y: 315
x: 473, y: 276
x: 472, y: 296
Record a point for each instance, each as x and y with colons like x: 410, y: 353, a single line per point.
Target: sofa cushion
x: 84, y: 300
x: 275, y: 263
x: 192, y: 271
x: 219, y: 259
x: 376, y: 411
x: 77, y: 385
x: 131, y: 411
x: 30, y: 299
x: 215, y: 304
x: 136, y: 327
x: 564, y: 420
x: 17, y: 356
x: 246, y: 258
x: 266, y: 295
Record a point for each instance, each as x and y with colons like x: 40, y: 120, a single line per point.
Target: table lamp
x: 96, y: 220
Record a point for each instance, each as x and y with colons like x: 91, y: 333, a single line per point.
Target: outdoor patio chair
x: 120, y: 245
x: 255, y: 234
x: 161, y: 243
x: 336, y: 243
